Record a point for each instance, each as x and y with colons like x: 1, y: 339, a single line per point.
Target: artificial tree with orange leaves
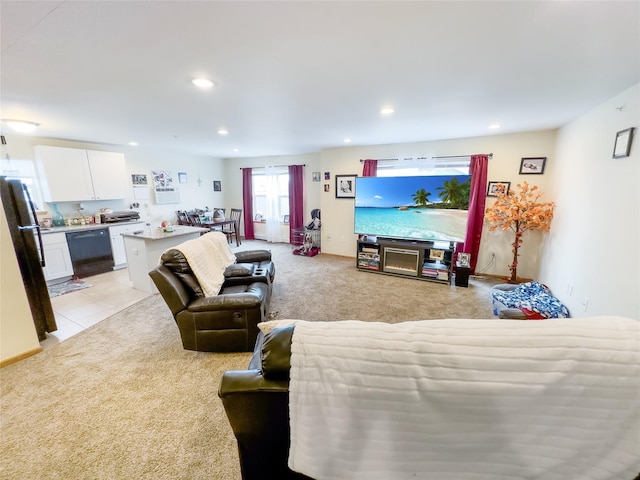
x: 519, y: 212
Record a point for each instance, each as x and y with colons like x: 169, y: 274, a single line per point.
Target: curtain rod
x: 490, y: 155
x: 265, y: 166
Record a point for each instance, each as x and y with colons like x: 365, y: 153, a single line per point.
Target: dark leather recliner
x: 256, y: 402
x: 226, y: 322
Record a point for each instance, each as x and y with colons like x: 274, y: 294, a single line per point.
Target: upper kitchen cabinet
x: 73, y: 174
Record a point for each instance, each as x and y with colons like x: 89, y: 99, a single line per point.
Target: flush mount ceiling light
x: 133, y: 144
x: 387, y: 111
x: 202, y: 82
x: 21, y: 126
x: 223, y: 131
x: 347, y: 140
x: 494, y: 126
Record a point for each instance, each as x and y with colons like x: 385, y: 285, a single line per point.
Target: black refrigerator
x: 27, y: 243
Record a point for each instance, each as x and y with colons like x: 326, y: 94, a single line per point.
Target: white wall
x: 594, y: 240
x: 138, y: 160
x: 337, y: 214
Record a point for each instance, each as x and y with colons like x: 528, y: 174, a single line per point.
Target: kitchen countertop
x: 91, y: 226
x: 158, y: 233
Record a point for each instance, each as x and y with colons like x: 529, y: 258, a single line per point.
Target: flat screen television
x: 432, y: 207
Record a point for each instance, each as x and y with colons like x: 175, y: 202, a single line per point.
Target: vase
x: 57, y: 218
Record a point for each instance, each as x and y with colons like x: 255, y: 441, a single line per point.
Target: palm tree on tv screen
x: 455, y: 194
x: 421, y: 197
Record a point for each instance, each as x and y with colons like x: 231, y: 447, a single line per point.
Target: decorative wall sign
x: 532, y: 165
x: 622, y: 147
x: 165, y: 190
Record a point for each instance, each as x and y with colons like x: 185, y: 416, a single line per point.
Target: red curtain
x: 296, y: 198
x: 247, y: 203
x: 478, y: 171
x: 370, y: 168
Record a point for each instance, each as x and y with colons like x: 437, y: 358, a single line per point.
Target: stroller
x: 307, y: 239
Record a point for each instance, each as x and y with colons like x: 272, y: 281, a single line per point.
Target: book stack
x: 436, y: 270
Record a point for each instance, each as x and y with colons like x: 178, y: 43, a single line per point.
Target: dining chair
x: 231, y: 230
x: 183, y: 219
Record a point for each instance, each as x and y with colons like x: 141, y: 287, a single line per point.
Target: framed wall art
x: 182, y: 177
x: 532, y: 165
x: 345, y: 186
x: 498, y: 187
x: 316, y: 176
x: 217, y: 186
x: 139, y: 179
x: 622, y: 147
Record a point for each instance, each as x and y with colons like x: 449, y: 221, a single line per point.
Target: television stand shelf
x: 422, y: 260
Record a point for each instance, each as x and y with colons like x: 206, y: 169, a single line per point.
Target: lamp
x: 21, y: 126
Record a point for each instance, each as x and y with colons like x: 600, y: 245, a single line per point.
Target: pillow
x: 239, y: 270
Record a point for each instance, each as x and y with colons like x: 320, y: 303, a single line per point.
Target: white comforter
x: 208, y: 257
x: 466, y: 399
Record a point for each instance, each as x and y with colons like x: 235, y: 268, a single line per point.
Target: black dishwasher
x: 90, y: 252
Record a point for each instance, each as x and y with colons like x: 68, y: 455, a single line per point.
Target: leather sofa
x: 226, y: 322
x: 256, y: 402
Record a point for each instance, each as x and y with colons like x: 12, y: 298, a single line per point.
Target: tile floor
x: 109, y: 293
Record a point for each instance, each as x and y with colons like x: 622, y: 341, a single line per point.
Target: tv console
x: 422, y: 260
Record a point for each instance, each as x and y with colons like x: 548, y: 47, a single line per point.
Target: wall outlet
x: 585, y: 303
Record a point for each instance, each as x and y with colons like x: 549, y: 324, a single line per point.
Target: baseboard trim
x: 17, y: 358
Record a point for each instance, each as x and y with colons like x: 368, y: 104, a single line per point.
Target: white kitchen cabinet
x: 117, y: 242
x: 56, y: 256
x: 73, y: 174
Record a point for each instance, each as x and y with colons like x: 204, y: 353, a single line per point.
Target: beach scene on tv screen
x: 432, y: 207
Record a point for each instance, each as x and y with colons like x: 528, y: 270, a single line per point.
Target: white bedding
x: 208, y: 260
x: 466, y: 399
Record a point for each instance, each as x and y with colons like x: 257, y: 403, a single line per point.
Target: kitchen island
x: 144, y: 247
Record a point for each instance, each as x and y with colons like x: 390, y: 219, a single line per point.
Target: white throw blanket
x: 208, y: 257
x: 466, y: 399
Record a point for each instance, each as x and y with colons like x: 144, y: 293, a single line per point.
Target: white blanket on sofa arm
x: 466, y: 399
x: 208, y: 256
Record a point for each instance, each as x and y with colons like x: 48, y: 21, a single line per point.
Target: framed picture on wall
x: 217, y: 186
x: 498, y: 187
x: 316, y: 176
x: 286, y: 219
x: 182, y: 177
x: 622, y: 147
x: 532, y: 165
x: 346, y: 186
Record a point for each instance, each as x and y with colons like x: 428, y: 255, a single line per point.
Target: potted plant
x: 519, y: 212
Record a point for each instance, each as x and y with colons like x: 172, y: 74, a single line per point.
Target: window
x: 270, y: 193
x: 424, y: 166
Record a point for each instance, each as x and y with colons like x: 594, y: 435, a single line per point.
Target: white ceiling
x: 298, y: 77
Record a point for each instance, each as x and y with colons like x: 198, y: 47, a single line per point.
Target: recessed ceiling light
x: 202, y: 82
x: 133, y: 144
x: 494, y: 126
x: 223, y: 131
x: 387, y: 111
x: 236, y: 149
x: 347, y: 140
x: 22, y: 126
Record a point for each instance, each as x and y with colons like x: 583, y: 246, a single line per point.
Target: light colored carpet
x: 123, y: 400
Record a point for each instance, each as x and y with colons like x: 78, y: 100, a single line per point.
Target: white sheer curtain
x: 272, y: 214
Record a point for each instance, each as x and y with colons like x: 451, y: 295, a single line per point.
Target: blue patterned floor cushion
x: 532, y: 296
